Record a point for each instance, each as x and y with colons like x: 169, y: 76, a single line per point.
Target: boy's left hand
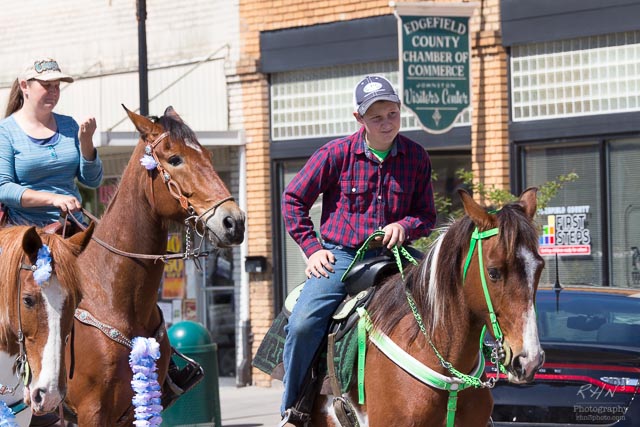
x: 394, y: 234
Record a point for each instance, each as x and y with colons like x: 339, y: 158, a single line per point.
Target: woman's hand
x: 87, y: 128
x: 320, y: 263
x: 66, y: 204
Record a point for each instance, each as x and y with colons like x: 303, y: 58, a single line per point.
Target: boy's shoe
x: 179, y: 381
x: 294, y: 418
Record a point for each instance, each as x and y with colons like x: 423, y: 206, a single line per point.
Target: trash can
x: 200, y: 406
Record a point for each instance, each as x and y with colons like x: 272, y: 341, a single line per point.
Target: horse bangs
x: 64, y: 256
x: 516, y: 229
x: 178, y: 130
x: 10, y: 258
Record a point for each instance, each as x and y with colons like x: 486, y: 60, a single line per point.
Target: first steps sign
x: 435, y: 58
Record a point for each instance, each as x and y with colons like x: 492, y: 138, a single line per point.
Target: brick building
x: 264, y: 83
x: 289, y: 49
x: 555, y: 90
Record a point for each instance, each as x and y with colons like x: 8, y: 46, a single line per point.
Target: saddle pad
x: 270, y: 353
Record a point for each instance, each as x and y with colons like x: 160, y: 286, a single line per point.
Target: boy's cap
x: 372, y: 89
x: 46, y: 69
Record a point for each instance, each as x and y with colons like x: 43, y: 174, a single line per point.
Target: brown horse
x: 39, y: 292
x: 437, y: 317
x: 120, y: 289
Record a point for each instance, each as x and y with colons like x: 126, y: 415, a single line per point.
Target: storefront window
x: 319, y: 102
x: 571, y: 224
x: 624, y: 158
x: 446, y: 182
x: 295, y: 260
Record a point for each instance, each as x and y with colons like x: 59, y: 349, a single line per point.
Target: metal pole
x: 141, y: 15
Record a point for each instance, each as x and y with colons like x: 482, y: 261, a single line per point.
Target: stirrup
x: 179, y: 381
x: 295, y: 417
x: 345, y: 412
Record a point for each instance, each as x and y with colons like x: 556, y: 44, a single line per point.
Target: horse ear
x: 477, y: 213
x: 81, y: 239
x: 172, y: 113
x: 143, y: 124
x: 31, y: 243
x: 529, y: 201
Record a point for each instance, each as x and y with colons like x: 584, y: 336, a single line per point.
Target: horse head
x: 181, y: 181
x: 506, y: 259
x: 41, y: 280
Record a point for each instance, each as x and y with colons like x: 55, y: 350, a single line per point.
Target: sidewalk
x: 249, y: 406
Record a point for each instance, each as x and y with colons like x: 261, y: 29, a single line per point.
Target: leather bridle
x: 192, y: 222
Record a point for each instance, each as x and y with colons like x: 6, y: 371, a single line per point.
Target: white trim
x: 206, y: 139
x: 434, y: 9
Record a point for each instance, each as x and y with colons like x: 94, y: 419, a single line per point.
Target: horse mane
x: 178, y: 129
x: 435, y: 283
x: 11, y: 256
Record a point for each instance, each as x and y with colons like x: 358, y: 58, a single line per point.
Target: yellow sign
x: 174, y: 277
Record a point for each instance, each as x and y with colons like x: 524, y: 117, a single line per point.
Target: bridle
x: 174, y: 187
x: 23, y: 371
x: 193, y: 222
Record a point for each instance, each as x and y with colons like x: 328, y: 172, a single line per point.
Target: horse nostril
x: 229, y: 223
x: 38, y: 395
x: 517, y: 365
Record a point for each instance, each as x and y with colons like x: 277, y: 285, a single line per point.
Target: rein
x: 187, y: 254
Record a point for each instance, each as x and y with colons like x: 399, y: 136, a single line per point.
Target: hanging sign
x: 434, y: 61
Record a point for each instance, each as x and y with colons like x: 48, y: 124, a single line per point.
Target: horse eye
x: 494, y: 274
x: 29, y: 301
x: 175, y: 160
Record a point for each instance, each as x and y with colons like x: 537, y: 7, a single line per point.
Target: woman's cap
x: 46, y: 69
x: 372, y: 89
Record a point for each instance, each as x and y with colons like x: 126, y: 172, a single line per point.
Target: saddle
x: 333, y: 366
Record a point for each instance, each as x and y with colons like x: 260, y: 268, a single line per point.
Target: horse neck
x: 457, y: 330
x: 129, y: 224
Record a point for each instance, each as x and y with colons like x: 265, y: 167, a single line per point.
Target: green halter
x: 476, y: 237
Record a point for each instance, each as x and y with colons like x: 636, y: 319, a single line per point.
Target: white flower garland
x: 142, y: 359
x: 7, y: 419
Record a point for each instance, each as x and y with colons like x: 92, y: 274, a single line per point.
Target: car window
x: 589, y: 318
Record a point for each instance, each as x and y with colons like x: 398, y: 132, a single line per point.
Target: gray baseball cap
x: 372, y: 89
x: 44, y: 69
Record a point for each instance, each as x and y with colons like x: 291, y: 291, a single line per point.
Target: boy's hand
x: 394, y: 234
x: 320, y: 263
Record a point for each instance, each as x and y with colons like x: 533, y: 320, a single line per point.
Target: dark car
x: 591, y: 374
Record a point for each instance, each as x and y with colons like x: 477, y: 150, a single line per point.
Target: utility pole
x: 141, y: 15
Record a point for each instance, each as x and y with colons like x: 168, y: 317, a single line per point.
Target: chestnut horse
x: 39, y: 291
x: 175, y: 182
x: 423, y: 354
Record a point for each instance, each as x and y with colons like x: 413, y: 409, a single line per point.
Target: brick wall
x: 489, y: 124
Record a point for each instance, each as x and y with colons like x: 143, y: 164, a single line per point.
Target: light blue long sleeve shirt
x: 53, y: 168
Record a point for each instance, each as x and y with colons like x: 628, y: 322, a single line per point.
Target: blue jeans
x: 310, y: 319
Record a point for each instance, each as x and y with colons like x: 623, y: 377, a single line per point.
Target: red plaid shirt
x: 360, y: 194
